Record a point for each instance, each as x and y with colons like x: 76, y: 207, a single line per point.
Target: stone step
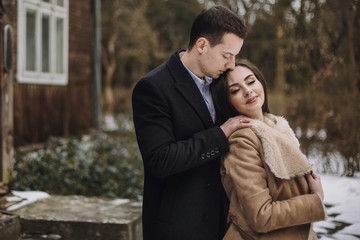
x: 9, y: 226
x: 80, y: 218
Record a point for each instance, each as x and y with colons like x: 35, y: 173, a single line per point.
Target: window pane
x: 30, y: 41
x: 47, y: 1
x: 59, y: 45
x: 45, y: 43
x: 60, y: 3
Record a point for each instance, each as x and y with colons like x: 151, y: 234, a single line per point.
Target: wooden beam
x: 6, y: 101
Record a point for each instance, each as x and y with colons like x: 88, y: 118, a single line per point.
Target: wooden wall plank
x: 41, y: 111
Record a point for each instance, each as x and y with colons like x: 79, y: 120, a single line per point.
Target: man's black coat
x: 181, y: 149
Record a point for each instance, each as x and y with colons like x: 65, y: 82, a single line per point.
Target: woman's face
x: 246, y: 92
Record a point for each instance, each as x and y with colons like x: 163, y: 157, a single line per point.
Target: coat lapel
x: 187, y: 87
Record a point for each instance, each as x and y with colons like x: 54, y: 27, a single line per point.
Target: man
x: 179, y: 135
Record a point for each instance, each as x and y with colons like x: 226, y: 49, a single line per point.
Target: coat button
x: 203, y: 156
x: 208, y: 155
x: 216, y: 150
x: 212, y: 152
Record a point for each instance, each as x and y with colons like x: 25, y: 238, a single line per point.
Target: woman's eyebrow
x: 247, y: 77
x: 232, y: 85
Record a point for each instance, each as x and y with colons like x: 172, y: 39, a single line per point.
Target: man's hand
x: 235, y: 123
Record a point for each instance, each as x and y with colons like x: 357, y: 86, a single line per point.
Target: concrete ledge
x: 80, y: 218
x: 9, y: 227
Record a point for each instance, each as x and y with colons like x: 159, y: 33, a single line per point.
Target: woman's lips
x: 251, y: 100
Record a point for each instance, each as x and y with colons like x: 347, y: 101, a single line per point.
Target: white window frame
x: 54, y: 12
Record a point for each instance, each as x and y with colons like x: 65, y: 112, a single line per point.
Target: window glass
x: 30, y: 41
x: 45, y: 51
x: 60, y: 3
x: 59, y: 45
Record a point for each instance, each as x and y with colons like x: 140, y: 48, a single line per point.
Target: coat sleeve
x: 163, y: 154
x: 244, y: 166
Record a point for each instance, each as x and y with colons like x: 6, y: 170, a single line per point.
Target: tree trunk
x: 278, y: 98
x: 351, y: 74
x: 109, y: 63
x: 108, y: 98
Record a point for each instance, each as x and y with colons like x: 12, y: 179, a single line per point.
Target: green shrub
x: 108, y: 166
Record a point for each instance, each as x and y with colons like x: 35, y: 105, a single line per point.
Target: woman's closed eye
x: 250, y: 82
x: 234, y: 91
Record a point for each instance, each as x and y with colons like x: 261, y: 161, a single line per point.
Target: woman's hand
x: 315, y: 184
x: 235, y: 123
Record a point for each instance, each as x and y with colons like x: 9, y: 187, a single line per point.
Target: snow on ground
x: 25, y: 198
x: 342, y: 200
x: 109, y: 123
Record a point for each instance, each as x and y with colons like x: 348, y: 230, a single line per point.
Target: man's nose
x: 231, y: 63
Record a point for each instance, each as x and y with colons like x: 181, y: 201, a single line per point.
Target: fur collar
x: 281, y: 147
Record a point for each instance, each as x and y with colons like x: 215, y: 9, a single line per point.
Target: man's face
x: 217, y: 59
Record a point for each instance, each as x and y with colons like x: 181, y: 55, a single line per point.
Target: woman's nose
x: 247, y: 91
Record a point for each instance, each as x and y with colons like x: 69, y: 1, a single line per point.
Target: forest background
x: 308, y: 50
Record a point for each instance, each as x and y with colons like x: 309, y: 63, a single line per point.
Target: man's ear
x: 201, y: 44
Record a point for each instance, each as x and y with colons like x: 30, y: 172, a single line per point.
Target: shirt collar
x: 199, y: 82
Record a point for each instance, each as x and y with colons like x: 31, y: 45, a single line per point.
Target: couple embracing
x: 217, y: 163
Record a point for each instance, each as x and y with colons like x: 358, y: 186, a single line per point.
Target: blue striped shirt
x: 204, y: 87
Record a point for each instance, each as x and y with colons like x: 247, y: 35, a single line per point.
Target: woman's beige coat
x: 263, y: 206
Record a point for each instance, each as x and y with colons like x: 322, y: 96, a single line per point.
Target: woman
x: 272, y: 190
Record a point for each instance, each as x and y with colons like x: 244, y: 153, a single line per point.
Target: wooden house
x: 47, y: 72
